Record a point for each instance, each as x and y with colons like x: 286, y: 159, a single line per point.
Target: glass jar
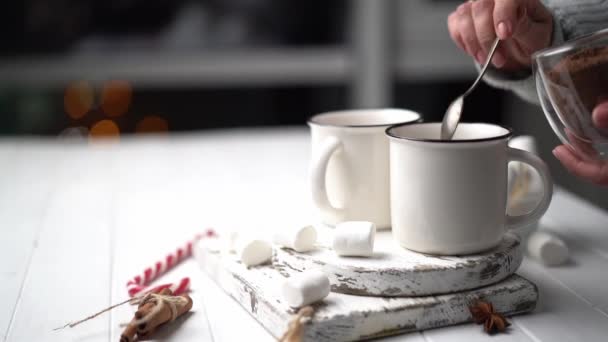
x: 571, y: 80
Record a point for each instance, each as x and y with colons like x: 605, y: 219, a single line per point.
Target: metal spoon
x: 454, y: 112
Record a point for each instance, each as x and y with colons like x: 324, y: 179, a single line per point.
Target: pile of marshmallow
x: 353, y: 239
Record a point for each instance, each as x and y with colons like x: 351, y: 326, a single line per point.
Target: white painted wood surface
x: 393, y: 271
x: 341, y: 317
x: 67, y: 208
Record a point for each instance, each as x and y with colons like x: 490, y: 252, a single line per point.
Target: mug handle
x: 318, y: 170
x: 516, y: 155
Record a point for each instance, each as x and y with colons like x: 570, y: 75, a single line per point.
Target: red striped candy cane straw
x: 140, y: 282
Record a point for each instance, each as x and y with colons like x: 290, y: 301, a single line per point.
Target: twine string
x: 295, y: 328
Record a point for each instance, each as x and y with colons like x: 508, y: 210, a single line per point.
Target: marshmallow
x: 305, y: 288
x: 547, y: 248
x: 253, y: 252
x: 354, y: 238
x: 300, y: 238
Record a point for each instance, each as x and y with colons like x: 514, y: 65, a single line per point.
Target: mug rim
x: 507, y: 135
x: 311, y: 120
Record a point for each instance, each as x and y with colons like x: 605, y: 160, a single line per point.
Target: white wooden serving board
x: 394, y: 271
x: 342, y: 317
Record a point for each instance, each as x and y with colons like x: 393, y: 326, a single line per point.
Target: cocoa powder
x: 585, y: 73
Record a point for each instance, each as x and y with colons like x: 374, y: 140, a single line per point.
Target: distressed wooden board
x: 342, y: 317
x: 396, y: 272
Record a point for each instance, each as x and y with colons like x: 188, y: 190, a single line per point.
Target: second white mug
x: 349, y: 171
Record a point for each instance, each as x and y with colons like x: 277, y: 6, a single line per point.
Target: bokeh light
x: 152, y: 124
x: 78, y: 99
x: 104, y: 129
x: 116, y: 97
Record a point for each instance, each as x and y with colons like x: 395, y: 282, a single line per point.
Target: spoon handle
x: 484, y: 68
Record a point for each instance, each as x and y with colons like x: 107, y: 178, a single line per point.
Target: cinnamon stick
x: 187, y: 307
x: 128, y: 335
x: 145, y: 308
x: 163, y: 316
x: 166, y: 292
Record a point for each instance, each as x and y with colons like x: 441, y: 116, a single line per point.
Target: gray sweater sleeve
x: 572, y: 18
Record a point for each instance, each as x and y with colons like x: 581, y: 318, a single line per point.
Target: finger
x: 453, y: 29
x: 583, y: 148
x: 483, y: 18
x: 500, y: 59
x: 466, y: 27
x: 594, y: 171
x: 600, y: 115
x: 506, y: 16
x: 483, y: 21
x: 528, y: 21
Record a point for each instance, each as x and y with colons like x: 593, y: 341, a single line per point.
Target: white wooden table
x: 78, y: 220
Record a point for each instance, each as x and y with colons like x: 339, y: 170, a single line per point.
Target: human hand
x: 595, y: 171
x: 525, y: 26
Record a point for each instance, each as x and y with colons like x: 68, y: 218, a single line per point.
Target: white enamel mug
x: 349, y: 171
x: 449, y: 197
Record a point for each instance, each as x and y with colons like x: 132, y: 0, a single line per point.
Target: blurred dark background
x: 64, y: 41
x: 129, y: 66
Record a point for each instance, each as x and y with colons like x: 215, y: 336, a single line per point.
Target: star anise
x: 483, y: 313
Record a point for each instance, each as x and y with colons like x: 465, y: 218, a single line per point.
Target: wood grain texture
x: 69, y: 273
x: 24, y: 201
x: 562, y: 315
x: 342, y: 317
x: 17, y: 241
x: 394, y: 271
